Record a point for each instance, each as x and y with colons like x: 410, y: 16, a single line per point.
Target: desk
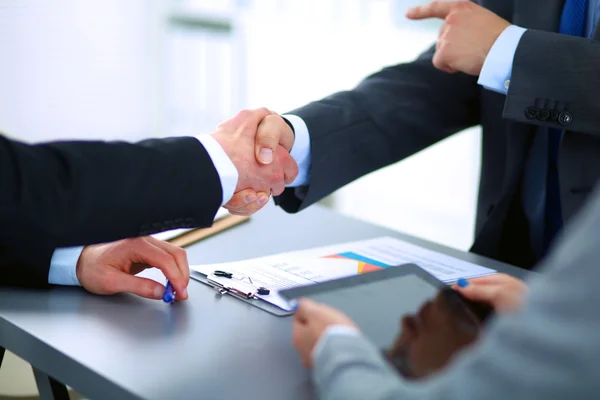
x: 209, y: 347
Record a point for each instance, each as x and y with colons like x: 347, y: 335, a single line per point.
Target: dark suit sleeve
x: 25, y: 265
x: 389, y: 116
x: 555, y: 82
x: 74, y: 193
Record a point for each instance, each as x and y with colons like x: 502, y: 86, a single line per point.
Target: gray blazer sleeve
x: 389, y: 116
x: 549, y: 350
x: 554, y: 78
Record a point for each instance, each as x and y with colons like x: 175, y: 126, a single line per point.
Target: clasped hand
x: 258, y: 142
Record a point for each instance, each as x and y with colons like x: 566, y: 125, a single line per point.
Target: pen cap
x: 169, y: 295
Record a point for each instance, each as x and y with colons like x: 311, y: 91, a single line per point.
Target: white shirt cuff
x: 301, y: 150
x: 497, y: 68
x: 333, y: 330
x: 63, y: 266
x: 228, y: 173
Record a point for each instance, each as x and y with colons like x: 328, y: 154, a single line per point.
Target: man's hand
x: 467, y: 36
x: 310, y: 322
x: 503, y: 292
x: 272, y: 135
x: 110, y: 268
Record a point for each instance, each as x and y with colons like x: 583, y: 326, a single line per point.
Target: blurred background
x: 132, y: 69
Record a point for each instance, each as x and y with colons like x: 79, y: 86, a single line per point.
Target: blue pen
x: 169, y: 296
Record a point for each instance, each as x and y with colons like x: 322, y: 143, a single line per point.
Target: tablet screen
x: 376, y: 300
x: 376, y: 307
x: 416, y: 319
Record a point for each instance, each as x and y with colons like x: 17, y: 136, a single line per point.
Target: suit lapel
x: 541, y: 15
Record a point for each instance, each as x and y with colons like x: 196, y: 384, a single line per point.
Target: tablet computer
x: 382, y: 302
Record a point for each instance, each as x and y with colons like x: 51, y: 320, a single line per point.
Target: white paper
x: 261, y: 273
x: 300, y: 268
x: 168, y: 235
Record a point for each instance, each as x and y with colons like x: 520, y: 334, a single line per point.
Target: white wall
x: 78, y: 68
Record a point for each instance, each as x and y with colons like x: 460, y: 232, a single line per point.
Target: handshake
x: 258, y: 142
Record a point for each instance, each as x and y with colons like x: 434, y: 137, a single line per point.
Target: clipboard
x: 253, y: 301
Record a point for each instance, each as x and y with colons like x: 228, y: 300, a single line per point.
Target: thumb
x: 125, y: 283
x: 481, y: 293
x: 272, y: 132
x: 306, y: 308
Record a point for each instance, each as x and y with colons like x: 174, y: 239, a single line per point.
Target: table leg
x: 49, y: 388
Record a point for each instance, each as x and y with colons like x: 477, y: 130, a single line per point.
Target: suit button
x: 565, y: 118
x: 553, y: 115
x: 531, y: 112
x: 543, y: 115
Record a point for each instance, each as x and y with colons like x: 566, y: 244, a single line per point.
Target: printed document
x: 312, y: 266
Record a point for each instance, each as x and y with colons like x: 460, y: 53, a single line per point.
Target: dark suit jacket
x: 75, y: 193
x: 405, y: 108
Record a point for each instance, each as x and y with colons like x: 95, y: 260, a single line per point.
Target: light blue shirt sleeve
x: 333, y: 330
x: 300, y: 151
x: 63, y: 266
x: 497, y: 68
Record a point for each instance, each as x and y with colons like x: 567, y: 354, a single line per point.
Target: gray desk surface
x: 206, y: 348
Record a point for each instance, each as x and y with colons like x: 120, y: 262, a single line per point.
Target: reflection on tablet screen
x: 431, y: 337
x: 415, y: 319
x: 376, y: 306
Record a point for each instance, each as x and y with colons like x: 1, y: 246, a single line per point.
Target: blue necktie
x: 572, y: 21
x: 545, y: 212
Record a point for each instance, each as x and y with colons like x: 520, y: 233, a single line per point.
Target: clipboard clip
x: 223, y: 289
x: 229, y: 275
